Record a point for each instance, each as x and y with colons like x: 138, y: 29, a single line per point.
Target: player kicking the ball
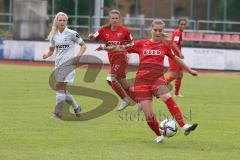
x: 149, y: 80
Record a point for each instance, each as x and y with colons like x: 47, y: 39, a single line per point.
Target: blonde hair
x: 54, y: 25
x: 114, y: 11
x: 165, y: 35
x: 158, y: 22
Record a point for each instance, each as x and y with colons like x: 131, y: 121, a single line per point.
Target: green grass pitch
x: 27, y: 131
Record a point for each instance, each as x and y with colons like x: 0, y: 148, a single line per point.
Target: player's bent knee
x: 165, y: 97
x: 162, y: 90
x: 60, y: 86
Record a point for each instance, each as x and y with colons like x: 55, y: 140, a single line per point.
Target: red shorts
x: 174, y: 67
x: 118, y: 64
x: 145, y: 90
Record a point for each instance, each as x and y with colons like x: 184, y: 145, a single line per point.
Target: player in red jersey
x: 115, y: 34
x: 149, y: 80
x: 176, y: 71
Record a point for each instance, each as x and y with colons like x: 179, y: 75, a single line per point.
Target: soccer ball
x: 169, y: 127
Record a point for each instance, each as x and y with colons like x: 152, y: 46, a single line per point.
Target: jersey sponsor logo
x: 151, y: 52
x: 63, y: 46
x: 77, y: 35
x: 120, y: 35
x: 113, y: 43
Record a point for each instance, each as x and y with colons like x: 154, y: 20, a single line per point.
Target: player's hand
x: 181, y: 56
x: 45, y: 56
x: 91, y: 36
x: 100, y: 48
x: 193, y: 72
x: 76, y: 60
x: 110, y: 48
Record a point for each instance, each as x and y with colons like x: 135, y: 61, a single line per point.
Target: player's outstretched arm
x: 91, y: 37
x: 112, y: 48
x: 106, y: 48
x: 183, y: 65
x: 115, y: 48
x: 49, y: 53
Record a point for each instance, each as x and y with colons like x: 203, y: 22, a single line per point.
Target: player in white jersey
x: 63, y: 40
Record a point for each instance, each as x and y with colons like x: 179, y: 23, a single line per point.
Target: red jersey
x: 177, y: 38
x: 151, y: 55
x: 119, y: 36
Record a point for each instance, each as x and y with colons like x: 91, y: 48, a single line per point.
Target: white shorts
x: 65, y: 74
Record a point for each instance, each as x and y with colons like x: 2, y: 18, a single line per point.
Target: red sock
x: 118, y: 89
x: 130, y: 93
x: 169, y: 79
x: 153, y: 124
x: 175, y: 111
x: 178, y: 83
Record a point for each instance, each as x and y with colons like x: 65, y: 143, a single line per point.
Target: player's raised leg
x: 176, y: 113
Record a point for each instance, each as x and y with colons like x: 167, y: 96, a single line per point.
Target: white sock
x: 70, y: 99
x: 60, y: 100
x: 185, y: 127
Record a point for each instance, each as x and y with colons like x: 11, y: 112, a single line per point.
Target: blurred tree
x: 179, y: 11
x: 108, y: 4
x: 6, y: 6
x: 62, y: 5
x: 233, y: 14
x: 233, y: 11
x: 86, y: 7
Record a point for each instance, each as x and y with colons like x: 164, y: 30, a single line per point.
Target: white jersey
x: 64, y: 44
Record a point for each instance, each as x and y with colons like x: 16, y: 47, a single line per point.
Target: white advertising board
x: 199, y: 58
